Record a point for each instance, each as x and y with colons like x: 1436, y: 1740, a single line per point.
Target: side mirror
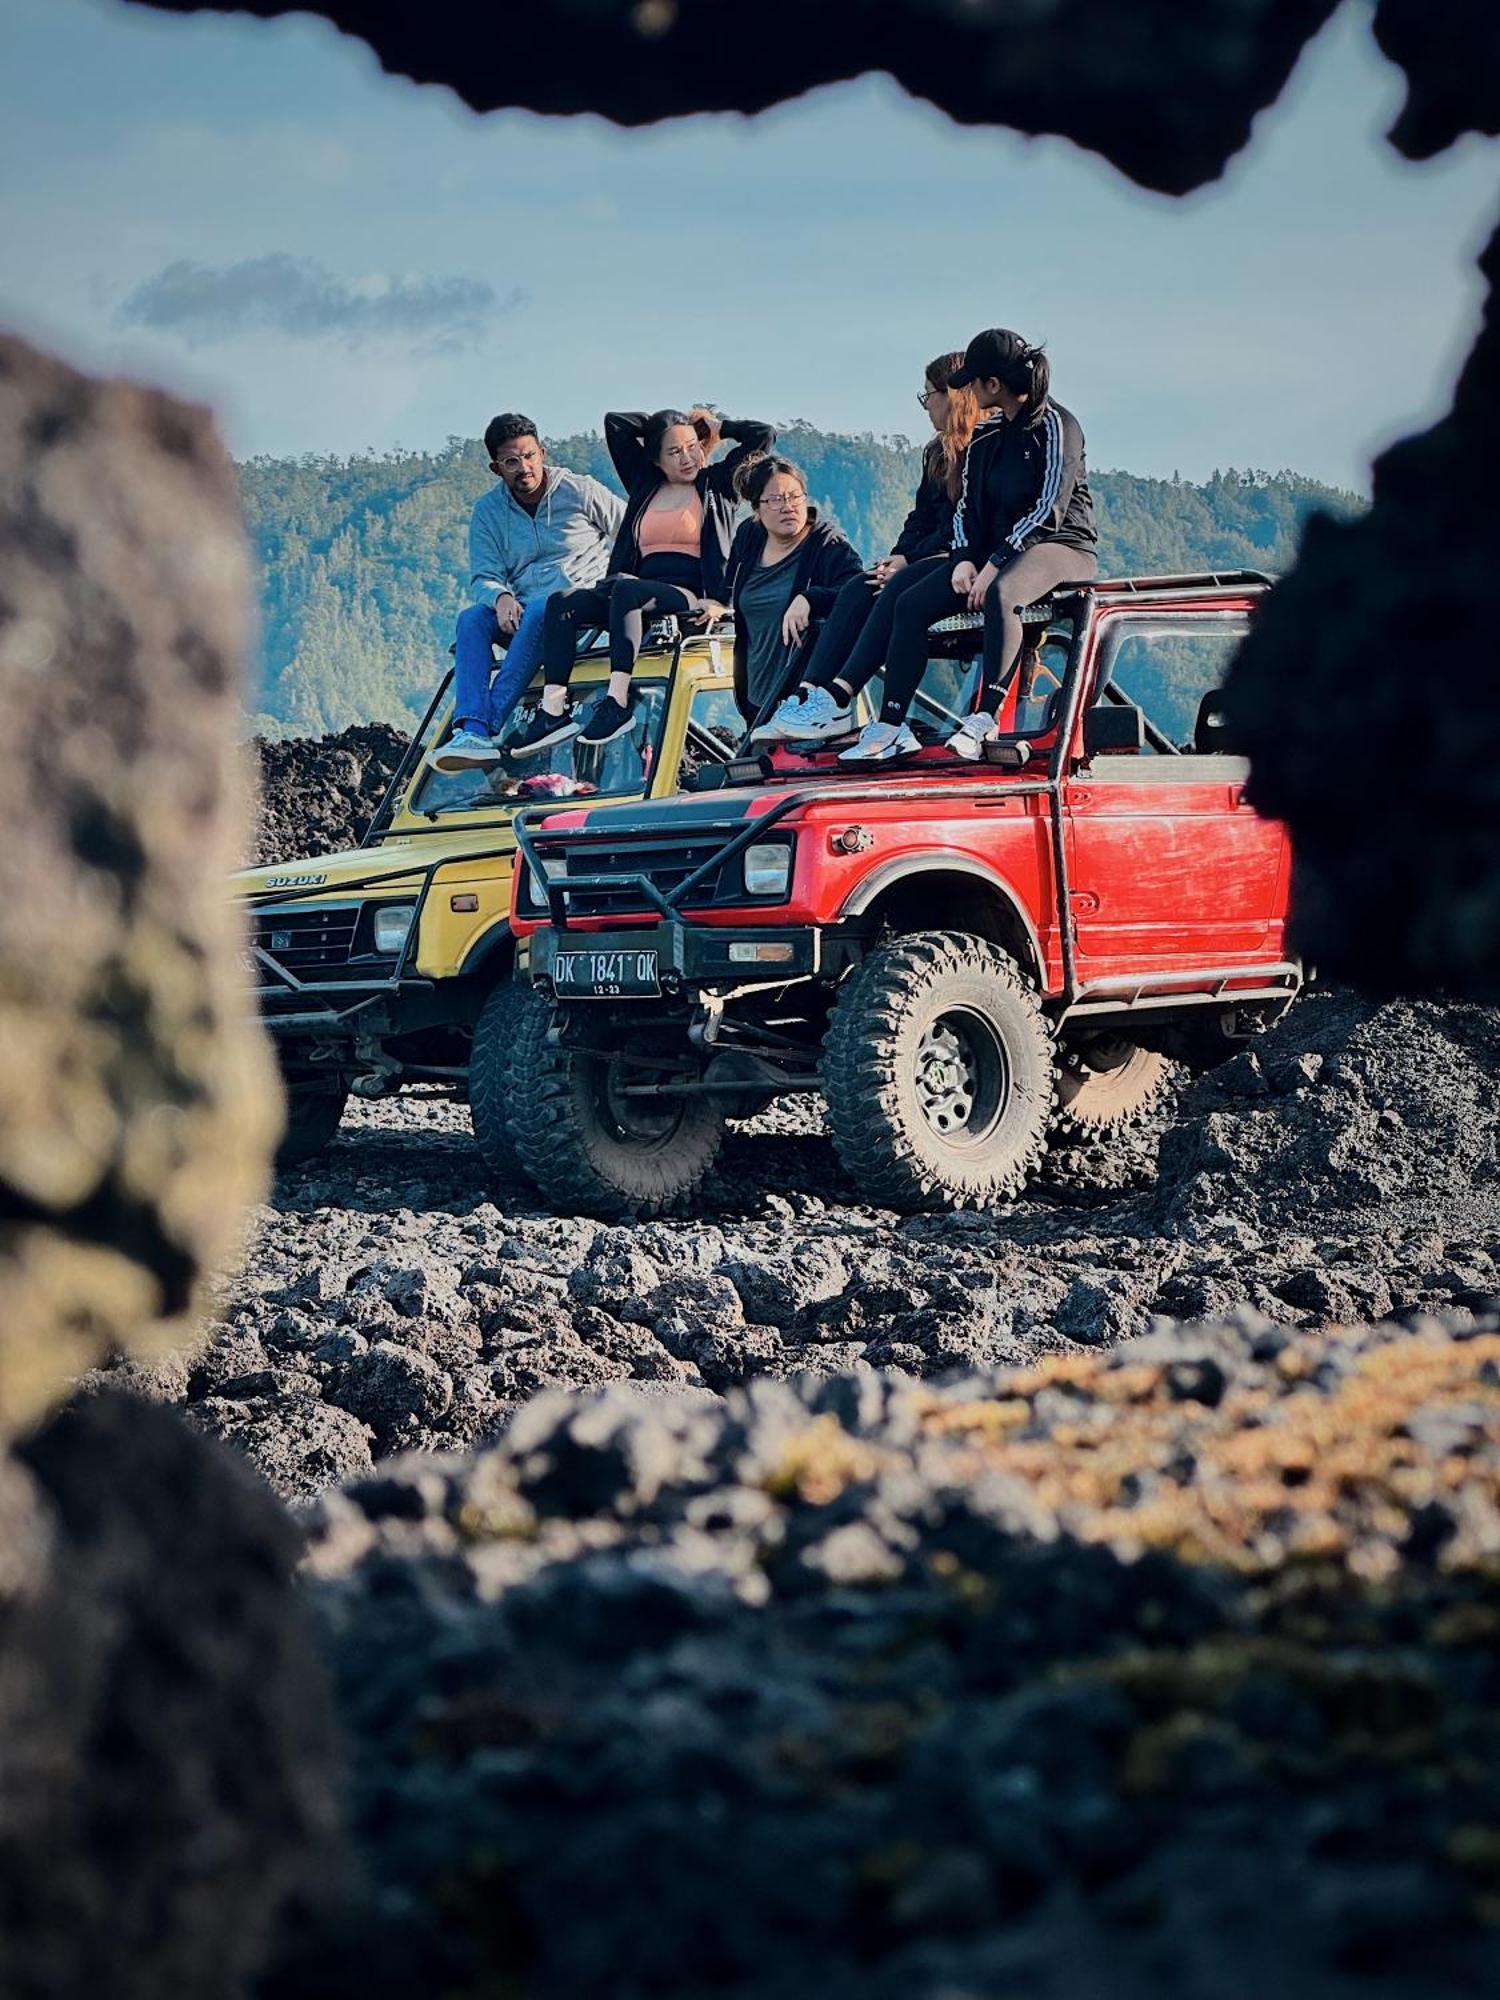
x: 1211, y: 733
x: 1113, y: 726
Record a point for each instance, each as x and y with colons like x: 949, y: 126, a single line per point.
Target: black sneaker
x: 609, y: 719
x: 540, y: 731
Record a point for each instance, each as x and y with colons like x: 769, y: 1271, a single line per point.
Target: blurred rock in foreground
x: 165, y: 1787
x: 137, y: 1102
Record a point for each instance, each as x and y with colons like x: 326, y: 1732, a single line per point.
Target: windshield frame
x: 1166, y: 622
x: 458, y: 814
x: 1064, y: 629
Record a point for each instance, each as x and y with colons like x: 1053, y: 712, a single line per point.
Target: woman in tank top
x: 669, y: 556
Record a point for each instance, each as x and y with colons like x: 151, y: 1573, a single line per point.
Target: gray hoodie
x: 565, y: 543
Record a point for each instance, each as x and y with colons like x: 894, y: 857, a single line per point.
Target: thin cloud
x: 204, y: 303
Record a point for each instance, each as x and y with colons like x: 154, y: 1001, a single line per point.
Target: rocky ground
x: 1170, y: 1670
x: 1343, y: 1170
x: 1098, y: 1597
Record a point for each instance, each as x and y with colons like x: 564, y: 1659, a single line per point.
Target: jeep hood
x: 330, y: 872
x: 684, y: 814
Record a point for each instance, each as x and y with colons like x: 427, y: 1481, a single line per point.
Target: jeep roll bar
x: 402, y: 773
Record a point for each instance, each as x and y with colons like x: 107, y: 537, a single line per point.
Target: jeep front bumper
x: 687, y: 958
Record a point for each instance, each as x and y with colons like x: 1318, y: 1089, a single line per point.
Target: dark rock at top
x: 1167, y: 93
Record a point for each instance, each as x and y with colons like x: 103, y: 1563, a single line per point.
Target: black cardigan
x: 641, y: 476
x: 825, y: 563
x: 928, y: 528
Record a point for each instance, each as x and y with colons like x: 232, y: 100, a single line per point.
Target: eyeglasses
x: 927, y: 395
x: 782, y: 499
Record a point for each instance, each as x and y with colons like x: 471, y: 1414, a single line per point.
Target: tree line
x: 363, y: 561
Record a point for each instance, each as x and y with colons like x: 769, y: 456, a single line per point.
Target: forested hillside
x: 363, y: 560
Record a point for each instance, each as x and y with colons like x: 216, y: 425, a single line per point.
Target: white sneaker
x: 968, y: 740
x: 821, y: 717
x: 881, y: 743
x: 465, y: 750
x: 779, y: 724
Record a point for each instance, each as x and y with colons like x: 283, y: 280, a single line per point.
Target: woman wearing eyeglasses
x: 787, y: 570
x: 1023, y: 528
x: 852, y: 645
x: 669, y: 556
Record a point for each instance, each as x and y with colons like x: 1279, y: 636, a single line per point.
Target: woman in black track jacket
x: 787, y: 569
x: 1024, y: 527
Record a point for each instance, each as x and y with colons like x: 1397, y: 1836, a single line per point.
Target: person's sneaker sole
x: 586, y: 735
x: 897, y: 754
x: 450, y: 762
x: 825, y: 732
x: 566, y: 727
x: 770, y: 732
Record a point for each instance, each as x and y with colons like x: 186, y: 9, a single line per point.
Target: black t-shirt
x: 764, y: 597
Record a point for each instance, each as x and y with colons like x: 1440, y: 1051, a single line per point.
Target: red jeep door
x: 1169, y: 868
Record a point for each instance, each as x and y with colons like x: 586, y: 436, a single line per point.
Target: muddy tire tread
x: 861, y: 1083
x: 490, y: 1106
x: 307, y: 1135
x: 1071, y: 1126
x: 556, y: 1153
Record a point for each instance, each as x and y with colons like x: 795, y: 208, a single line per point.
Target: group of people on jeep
x: 1002, y: 517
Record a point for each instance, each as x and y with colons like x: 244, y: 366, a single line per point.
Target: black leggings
x: 854, y: 641
x: 1022, y: 581
x: 669, y: 583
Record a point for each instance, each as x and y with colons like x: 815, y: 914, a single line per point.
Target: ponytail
x: 1030, y: 374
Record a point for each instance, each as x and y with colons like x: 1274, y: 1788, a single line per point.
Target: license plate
x: 606, y: 975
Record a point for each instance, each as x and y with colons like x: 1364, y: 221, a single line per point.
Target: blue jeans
x: 478, y: 705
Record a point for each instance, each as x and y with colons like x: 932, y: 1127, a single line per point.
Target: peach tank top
x: 673, y: 527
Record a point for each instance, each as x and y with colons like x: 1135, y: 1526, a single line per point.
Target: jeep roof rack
x: 1217, y: 579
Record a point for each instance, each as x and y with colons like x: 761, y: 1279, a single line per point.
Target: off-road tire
x: 878, y: 1058
x: 490, y: 1108
x: 583, y: 1160
x: 1096, y: 1103
x: 312, y: 1119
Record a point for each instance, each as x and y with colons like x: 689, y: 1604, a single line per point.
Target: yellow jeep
x: 390, y: 964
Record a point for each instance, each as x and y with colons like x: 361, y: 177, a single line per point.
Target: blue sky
x: 253, y: 214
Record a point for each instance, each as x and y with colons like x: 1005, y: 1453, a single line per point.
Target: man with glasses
x: 541, y: 529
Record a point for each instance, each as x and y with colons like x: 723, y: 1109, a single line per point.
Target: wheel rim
x: 962, y: 1077
x: 632, y: 1121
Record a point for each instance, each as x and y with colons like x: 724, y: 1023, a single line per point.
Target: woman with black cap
x: 1024, y: 527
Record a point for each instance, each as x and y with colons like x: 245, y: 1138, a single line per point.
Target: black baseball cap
x: 993, y: 352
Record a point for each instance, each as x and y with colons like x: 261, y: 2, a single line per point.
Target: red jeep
x: 966, y: 959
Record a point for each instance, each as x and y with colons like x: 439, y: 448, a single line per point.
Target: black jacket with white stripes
x: 1025, y: 481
